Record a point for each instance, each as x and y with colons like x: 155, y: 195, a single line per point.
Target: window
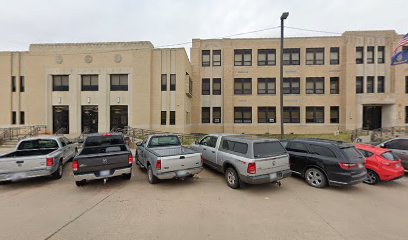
x: 296, y: 147
x: 243, y: 115
x: 216, y: 86
x: 406, y: 84
x: 334, y: 55
x: 234, y: 146
x: 119, y: 82
x: 89, y: 83
x: 242, y: 57
x: 266, y: 57
x: 406, y: 114
x: 380, y: 84
x: 291, y: 85
x: 242, y: 86
x: 163, y: 118
x: 13, y: 117
x: 266, y: 86
x: 172, y: 118
x: 22, y: 84
x: 172, y: 82
x: 322, y: 151
x: 13, y: 84
x: 370, y: 84
x: 381, y: 54
x: 314, y: 114
x: 370, y: 54
x: 22, y: 118
x: 359, y: 84
x: 365, y: 153
x: 291, y: 114
x: 205, y: 115
x: 205, y: 58
x: 164, y: 82
x: 334, y: 114
x: 205, y: 86
x: 314, y: 56
x: 359, y: 55
x: 291, y: 56
x: 334, y: 85
x: 190, y: 86
x: 216, y: 57
x: 315, y: 85
x: 267, y: 149
x: 266, y: 114
x: 60, y: 83
x: 216, y: 114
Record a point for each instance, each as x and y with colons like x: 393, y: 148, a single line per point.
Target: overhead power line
x: 312, y: 30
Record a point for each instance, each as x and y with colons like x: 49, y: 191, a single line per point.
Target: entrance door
x: 60, y: 119
x: 371, y: 117
x: 89, y: 119
x: 118, y: 117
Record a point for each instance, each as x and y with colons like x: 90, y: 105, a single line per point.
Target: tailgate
x: 22, y: 164
x: 180, y: 162
x: 98, y: 162
x: 272, y: 164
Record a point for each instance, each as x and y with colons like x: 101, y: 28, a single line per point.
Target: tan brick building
x: 229, y: 85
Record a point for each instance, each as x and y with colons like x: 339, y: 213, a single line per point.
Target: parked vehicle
x: 324, y: 162
x: 102, y: 156
x: 36, y: 157
x: 164, y: 158
x: 381, y: 164
x: 399, y: 146
x: 245, y: 159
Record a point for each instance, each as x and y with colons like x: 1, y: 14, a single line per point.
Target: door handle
x: 204, y: 149
x: 20, y: 162
x: 213, y: 151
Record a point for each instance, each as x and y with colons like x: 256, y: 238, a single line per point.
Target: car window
x: 212, y: 142
x: 352, y: 153
x: 38, y: 144
x: 322, y: 151
x: 266, y: 149
x: 205, y: 141
x: 296, y: 147
x: 393, y: 144
x: 389, y: 156
x: 63, y: 142
x: 235, y: 146
x: 103, y: 140
x: 162, y: 141
x: 403, y: 144
x: 365, y: 153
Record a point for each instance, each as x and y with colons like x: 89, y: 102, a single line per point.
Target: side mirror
x: 139, y: 144
x: 382, y: 145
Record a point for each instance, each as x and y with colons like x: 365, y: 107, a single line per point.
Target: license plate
x: 104, y: 173
x: 272, y: 176
x: 397, y: 165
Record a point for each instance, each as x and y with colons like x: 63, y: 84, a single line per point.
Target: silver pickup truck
x: 36, y: 157
x: 245, y: 159
x: 165, y: 158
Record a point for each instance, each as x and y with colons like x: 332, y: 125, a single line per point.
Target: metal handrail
x: 16, y: 133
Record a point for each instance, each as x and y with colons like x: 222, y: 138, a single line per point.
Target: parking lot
x: 200, y: 208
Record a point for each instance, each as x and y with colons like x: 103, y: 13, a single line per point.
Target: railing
x: 60, y: 131
x: 17, y: 133
x: 379, y: 134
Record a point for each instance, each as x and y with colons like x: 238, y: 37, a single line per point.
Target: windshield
x: 104, y: 140
x: 389, y: 156
x: 161, y: 141
x: 266, y: 149
x: 38, y: 144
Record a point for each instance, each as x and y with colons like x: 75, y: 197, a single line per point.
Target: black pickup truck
x: 103, y: 156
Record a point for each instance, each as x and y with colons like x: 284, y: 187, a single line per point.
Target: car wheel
x: 59, y: 172
x: 315, y: 178
x: 150, y: 176
x: 372, y: 178
x: 232, y: 178
x: 80, y: 183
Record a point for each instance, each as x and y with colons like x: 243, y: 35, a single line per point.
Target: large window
x: 163, y: 118
x: 266, y: 86
x: 334, y: 85
x: 205, y: 86
x: 370, y: 54
x: 216, y: 86
x: 242, y: 57
x: 172, y: 82
x: 291, y: 114
x: 381, y: 54
x: 314, y: 114
x: 334, y: 55
x: 380, y: 84
x: 119, y: 82
x: 359, y: 55
x: 205, y: 115
x: 266, y: 57
x: 13, y: 117
x: 242, y: 86
x: 22, y: 118
x: 22, y: 84
x: 291, y: 85
x: 291, y: 56
x: 406, y: 84
x: 266, y: 114
x: 89, y: 83
x: 359, y: 84
x: 334, y: 114
x: 406, y: 114
x: 164, y: 82
x: 216, y: 57
x: 205, y: 58
x: 315, y: 85
x: 243, y: 115
x: 13, y: 84
x: 60, y: 83
x: 216, y: 115
x: 370, y: 84
x: 172, y: 118
x: 314, y: 56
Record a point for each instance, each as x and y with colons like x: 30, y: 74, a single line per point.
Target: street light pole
x: 283, y: 17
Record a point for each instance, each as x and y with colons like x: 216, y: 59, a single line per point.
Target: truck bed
x: 171, y: 151
x: 26, y: 153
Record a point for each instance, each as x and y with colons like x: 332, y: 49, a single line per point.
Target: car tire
x: 315, y: 178
x: 127, y: 176
x: 59, y: 172
x: 150, y: 176
x: 80, y: 183
x: 372, y: 177
x: 232, y: 178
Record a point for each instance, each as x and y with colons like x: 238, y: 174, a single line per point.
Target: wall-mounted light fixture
x: 89, y: 100
x: 59, y: 99
x: 118, y: 99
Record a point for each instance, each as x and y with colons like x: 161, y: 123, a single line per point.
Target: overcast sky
x: 167, y: 22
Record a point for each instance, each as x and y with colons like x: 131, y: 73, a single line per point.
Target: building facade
x: 229, y: 85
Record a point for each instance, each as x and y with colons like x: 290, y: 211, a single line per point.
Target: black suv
x: 323, y: 162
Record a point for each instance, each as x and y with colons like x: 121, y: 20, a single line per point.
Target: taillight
x: 50, y: 162
x: 130, y: 159
x: 251, y: 168
x: 106, y: 135
x: 74, y: 165
x: 158, y: 165
x: 348, y: 166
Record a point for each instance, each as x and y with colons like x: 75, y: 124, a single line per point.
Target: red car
x: 381, y: 164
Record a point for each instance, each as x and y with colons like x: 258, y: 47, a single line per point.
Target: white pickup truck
x: 36, y: 157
